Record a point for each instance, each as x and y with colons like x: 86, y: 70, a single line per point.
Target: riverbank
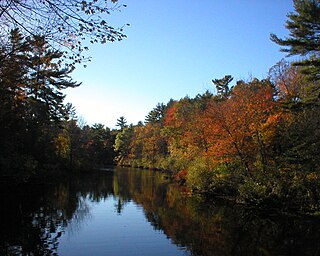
x: 280, y: 192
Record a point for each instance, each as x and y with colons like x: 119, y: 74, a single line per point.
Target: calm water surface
x: 138, y: 212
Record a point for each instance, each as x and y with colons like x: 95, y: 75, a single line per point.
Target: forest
x: 255, y: 141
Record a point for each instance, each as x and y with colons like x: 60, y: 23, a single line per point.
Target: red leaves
x: 237, y: 126
x: 181, y: 176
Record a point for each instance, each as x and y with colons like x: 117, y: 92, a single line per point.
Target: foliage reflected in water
x: 217, y: 228
x: 34, y: 218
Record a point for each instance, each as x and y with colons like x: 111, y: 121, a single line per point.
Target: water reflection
x: 109, y: 212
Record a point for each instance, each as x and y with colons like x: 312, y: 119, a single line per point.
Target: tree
x: 13, y: 71
x: 65, y: 24
x: 31, y: 101
x: 122, y: 144
x: 304, y: 37
x: 222, y: 86
x: 13, y: 109
x: 154, y: 144
x: 47, y: 79
x: 157, y: 114
x: 241, y: 127
x: 289, y: 83
x: 184, y: 130
x: 100, y: 145
x: 121, y: 122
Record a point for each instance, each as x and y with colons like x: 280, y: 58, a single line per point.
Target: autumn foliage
x: 242, y: 141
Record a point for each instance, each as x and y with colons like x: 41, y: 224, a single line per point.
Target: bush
x: 221, y: 180
x: 253, y: 191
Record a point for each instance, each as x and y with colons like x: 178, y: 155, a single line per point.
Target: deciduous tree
x: 237, y: 126
x: 65, y: 24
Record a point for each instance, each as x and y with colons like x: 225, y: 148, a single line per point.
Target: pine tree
x: 46, y: 80
x: 31, y: 101
x: 13, y: 102
x: 222, y: 86
x: 156, y: 115
x: 304, y: 37
x: 122, y: 122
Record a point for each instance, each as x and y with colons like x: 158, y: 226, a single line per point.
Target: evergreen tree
x: 13, y: 72
x: 304, y: 37
x: 31, y: 102
x: 222, y: 86
x: 121, y: 122
x: 156, y: 115
x: 46, y: 80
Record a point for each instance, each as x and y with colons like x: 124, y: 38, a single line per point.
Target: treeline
x: 256, y: 140
x: 39, y: 134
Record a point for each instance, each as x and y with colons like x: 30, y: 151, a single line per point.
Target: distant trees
x: 142, y: 145
x: 235, y: 126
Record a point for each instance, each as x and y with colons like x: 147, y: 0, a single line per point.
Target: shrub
x: 199, y: 176
x: 204, y: 177
x: 253, y: 191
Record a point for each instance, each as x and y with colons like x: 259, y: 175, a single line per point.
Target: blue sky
x: 175, y: 48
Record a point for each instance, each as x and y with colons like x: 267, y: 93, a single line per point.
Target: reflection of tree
x: 79, y: 216
x: 216, y: 228
x: 119, y: 206
x: 34, y: 217
x: 30, y: 226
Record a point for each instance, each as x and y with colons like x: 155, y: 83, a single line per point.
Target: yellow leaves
x: 312, y: 176
x: 222, y: 176
x: 62, y: 145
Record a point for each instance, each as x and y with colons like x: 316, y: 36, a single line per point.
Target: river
x: 124, y: 211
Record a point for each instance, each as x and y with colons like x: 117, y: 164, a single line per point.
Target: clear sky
x: 175, y: 48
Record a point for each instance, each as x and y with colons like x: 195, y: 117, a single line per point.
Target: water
x: 107, y: 232
x: 139, y: 212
